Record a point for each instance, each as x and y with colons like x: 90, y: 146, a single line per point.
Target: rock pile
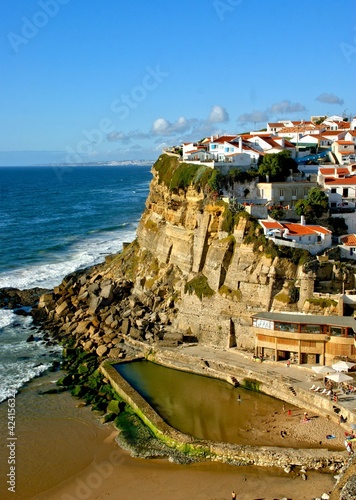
x: 98, y: 313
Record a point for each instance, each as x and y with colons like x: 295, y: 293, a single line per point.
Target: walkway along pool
x: 238, y: 422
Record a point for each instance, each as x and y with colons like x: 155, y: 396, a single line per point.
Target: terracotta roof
x: 224, y: 138
x: 276, y: 124
x: 334, y: 171
x: 345, y: 143
x: 343, y: 125
x: 327, y: 171
x: 333, y: 132
x: 302, y: 128
x: 350, y: 181
x: 349, y: 240
x: 295, y: 229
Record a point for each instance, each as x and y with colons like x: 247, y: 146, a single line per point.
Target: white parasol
x: 323, y: 369
x: 343, y: 366
x: 339, y: 377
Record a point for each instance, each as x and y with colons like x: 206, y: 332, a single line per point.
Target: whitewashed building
x: 312, y: 238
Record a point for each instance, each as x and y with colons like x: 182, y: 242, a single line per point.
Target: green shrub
x: 321, y: 302
x: 199, y: 285
x: 183, y: 176
x: 231, y: 294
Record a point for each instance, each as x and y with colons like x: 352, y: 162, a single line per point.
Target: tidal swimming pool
x: 202, y: 407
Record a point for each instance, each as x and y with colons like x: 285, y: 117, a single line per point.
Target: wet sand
x: 63, y: 452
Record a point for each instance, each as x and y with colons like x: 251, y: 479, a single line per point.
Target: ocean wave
x: 14, y: 378
x: 84, y: 253
x: 7, y: 317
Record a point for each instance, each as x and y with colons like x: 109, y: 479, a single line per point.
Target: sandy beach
x: 63, y: 452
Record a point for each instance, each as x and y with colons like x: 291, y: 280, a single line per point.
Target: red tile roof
x: 295, y: 229
x: 224, y: 138
x: 334, y: 171
x: 349, y: 240
x: 350, y: 181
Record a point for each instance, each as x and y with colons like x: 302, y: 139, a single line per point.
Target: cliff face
x: 214, y: 280
x: 190, y: 276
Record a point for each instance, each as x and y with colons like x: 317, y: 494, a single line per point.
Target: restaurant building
x: 304, y: 338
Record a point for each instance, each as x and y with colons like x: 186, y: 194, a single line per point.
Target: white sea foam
x: 14, y: 378
x: 6, y: 317
x: 21, y: 360
x: 85, y: 253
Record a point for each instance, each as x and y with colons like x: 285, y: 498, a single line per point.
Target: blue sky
x: 89, y: 80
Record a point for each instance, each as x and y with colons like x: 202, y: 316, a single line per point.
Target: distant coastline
x: 98, y: 163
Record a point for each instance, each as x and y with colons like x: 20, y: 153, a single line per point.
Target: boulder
x: 114, y: 352
x: 94, y: 304
x: 125, y: 327
x: 135, y: 334
x: 107, y: 291
x: 82, y: 327
x: 62, y: 309
x: 88, y: 345
x: 101, y: 350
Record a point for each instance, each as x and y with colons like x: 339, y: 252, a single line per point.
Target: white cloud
x: 329, y: 98
x: 218, y: 114
x: 192, y: 126
x: 181, y: 129
x: 263, y: 116
x: 125, y: 138
x: 286, y: 106
x: 163, y: 127
x: 254, y: 117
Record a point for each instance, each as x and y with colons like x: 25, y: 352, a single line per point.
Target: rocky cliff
x: 196, y: 272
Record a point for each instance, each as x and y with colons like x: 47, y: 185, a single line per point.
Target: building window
x: 345, y: 192
x: 281, y: 192
x: 335, y: 331
x: 310, y: 328
x: 294, y: 192
x: 333, y: 190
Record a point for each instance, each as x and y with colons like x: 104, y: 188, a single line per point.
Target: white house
x: 344, y: 151
x: 348, y: 246
x: 351, y: 136
x: 341, y: 188
x: 274, y: 128
x: 264, y: 143
x: 334, y: 135
x: 312, y: 238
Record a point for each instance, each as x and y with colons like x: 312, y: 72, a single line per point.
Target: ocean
x: 53, y: 221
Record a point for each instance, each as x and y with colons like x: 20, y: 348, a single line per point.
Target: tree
x: 277, y: 166
x: 314, y: 206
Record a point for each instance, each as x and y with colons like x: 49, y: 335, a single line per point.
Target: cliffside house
x: 285, y: 194
x: 312, y: 238
x: 305, y: 338
x: 340, y: 189
x: 269, y: 143
x: 348, y: 246
x: 344, y: 151
x: 351, y: 136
